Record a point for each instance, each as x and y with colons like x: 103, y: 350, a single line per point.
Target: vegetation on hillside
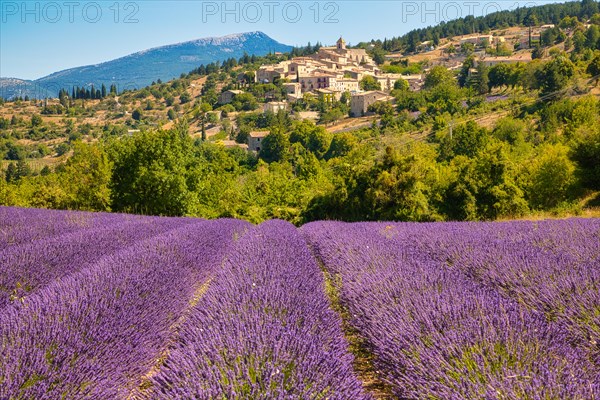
x: 506, y: 141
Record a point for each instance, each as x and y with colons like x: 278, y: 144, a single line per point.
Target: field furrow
x: 263, y: 330
x: 436, y: 333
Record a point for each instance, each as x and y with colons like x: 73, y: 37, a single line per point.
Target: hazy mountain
x: 13, y: 87
x: 165, y: 63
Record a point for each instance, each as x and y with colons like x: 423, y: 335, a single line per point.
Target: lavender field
x: 113, y: 306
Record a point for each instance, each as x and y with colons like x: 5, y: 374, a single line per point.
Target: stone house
x: 275, y: 106
x: 255, y: 139
x: 360, y: 102
x: 227, y: 96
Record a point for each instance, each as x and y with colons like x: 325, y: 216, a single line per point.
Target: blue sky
x: 41, y: 37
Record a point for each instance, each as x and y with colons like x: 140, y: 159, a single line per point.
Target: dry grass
x: 357, y: 345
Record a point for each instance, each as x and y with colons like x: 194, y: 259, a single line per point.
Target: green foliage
x: 151, y: 173
x: 369, y: 83
x: 484, y: 187
x: 593, y: 67
x: 404, y: 69
x: 401, y: 84
x: 245, y: 102
x: 437, y: 76
x: 137, y: 114
x: 185, y: 97
x: 36, y: 120
x: 555, y: 75
x: 275, y: 147
x: 341, y: 145
x: 552, y: 176
x: 466, y: 140
x: 500, y: 75
x: 86, y: 178
x: 444, y: 98
x: 63, y: 149
x: 510, y: 130
x: 404, y: 186
x: 318, y: 141
x: 331, y: 116
x: 586, y: 153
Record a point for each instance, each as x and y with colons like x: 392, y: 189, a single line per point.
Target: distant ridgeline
x: 525, y: 16
x: 141, y: 69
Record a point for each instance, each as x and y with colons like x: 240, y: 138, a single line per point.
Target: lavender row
x: 264, y: 329
x: 28, y: 267
x: 554, y: 269
x: 23, y: 225
x: 97, y: 334
x: 434, y: 332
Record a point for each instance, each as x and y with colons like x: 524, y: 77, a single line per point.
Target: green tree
x: 443, y: 98
x: 586, y: 153
x: 36, y: 120
x: 579, y: 42
x: 530, y: 21
x: 331, y: 116
x: 483, y: 80
x: 275, y: 147
x: 201, y: 114
x: 185, y: 97
x: 318, y: 141
x: 551, y: 175
x: 10, y: 175
x: 369, y: 83
x: 152, y: 173
x: 484, y: 187
x: 62, y: 149
x: 466, y: 140
x: 465, y: 71
x: 137, y: 114
x: 437, y: 76
x: 404, y: 185
x: 245, y: 102
x: 86, y: 178
x: 592, y: 37
x: 499, y: 75
x: 555, y: 75
x: 341, y: 145
x: 510, y: 130
x: 593, y: 68
x: 401, y: 85
x: 23, y: 169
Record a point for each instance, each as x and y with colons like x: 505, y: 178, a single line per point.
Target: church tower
x: 341, y: 44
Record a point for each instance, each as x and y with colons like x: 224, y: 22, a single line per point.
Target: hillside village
x: 331, y: 72
x: 335, y: 70
x: 331, y: 75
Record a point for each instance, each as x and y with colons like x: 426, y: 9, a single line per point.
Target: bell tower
x: 341, y: 44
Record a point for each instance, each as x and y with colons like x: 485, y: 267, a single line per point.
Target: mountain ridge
x: 141, y: 68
